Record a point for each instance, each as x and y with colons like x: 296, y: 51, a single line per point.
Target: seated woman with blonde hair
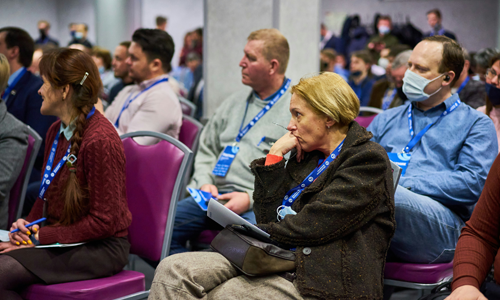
x: 332, y: 201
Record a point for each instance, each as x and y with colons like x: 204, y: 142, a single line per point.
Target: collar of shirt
x: 14, y: 75
x: 147, y: 83
x: 440, y: 107
x: 274, y: 94
x: 67, y: 130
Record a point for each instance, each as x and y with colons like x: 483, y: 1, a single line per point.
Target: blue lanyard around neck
x: 130, y: 99
x: 461, y: 87
x: 416, y: 138
x: 262, y: 112
x: 48, y: 173
x: 294, y: 193
x: 386, y: 101
x: 13, y: 84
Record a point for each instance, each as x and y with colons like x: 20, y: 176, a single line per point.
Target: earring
x: 327, y: 126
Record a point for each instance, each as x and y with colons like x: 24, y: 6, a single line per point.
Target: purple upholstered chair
x: 188, y: 107
x: 18, y: 191
x: 420, y: 277
x: 190, y: 132
x: 366, y: 120
x: 155, y: 182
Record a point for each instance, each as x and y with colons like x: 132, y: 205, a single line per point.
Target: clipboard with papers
x: 224, y: 216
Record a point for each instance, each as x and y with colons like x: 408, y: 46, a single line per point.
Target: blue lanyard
x: 415, y: 139
x: 13, y: 84
x: 262, y: 112
x: 461, y: 87
x: 294, y: 193
x: 48, y: 173
x: 388, y: 100
x: 130, y: 99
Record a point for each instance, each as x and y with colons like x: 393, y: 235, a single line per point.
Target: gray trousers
x: 209, y: 275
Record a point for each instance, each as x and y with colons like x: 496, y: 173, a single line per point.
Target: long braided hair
x: 62, y: 67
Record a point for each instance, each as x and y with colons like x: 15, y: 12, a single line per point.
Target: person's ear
x: 274, y: 66
x: 329, y: 122
x: 13, y: 52
x: 66, y: 92
x: 448, y: 78
x: 156, y: 64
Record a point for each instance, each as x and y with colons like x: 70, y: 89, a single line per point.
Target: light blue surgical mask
x: 384, y: 29
x: 414, y: 85
x: 78, y: 35
x: 101, y: 70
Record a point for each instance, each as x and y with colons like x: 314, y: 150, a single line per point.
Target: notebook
x: 224, y: 216
x: 4, y: 237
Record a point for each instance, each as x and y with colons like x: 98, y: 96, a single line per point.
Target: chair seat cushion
x: 207, y: 236
x: 119, y: 285
x: 419, y: 273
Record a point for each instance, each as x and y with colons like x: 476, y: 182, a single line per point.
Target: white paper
x: 57, y: 245
x: 4, y: 235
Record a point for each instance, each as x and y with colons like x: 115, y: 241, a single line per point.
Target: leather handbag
x: 250, y: 255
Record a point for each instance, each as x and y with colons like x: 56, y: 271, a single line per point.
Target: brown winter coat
x: 345, y: 218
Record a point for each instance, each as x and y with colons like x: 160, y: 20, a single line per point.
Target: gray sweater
x: 222, y: 130
x: 13, y: 146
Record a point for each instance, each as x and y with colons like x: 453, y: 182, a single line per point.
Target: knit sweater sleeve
x: 479, y: 242
x: 104, y: 169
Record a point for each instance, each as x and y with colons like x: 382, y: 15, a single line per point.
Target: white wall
x: 474, y: 22
x: 26, y: 14
x: 183, y: 16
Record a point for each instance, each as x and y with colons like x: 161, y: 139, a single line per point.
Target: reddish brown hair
x: 63, y: 67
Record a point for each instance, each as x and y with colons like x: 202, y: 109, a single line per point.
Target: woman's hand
x: 22, y: 236
x: 466, y: 292
x: 285, y: 144
x: 7, y: 247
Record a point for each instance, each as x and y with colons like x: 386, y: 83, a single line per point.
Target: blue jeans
x: 426, y: 230
x: 191, y: 220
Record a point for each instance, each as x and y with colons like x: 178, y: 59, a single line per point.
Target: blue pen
x: 30, y: 224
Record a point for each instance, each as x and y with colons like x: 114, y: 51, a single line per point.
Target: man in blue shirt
x: 446, y: 165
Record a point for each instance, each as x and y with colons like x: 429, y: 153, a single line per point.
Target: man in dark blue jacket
x: 21, y: 94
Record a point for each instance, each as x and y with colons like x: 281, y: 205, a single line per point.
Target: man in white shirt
x: 150, y: 104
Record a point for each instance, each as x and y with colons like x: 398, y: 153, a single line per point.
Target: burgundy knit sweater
x: 479, y: 242
x: 101, y: 170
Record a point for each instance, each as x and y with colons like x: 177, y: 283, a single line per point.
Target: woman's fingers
x: 21, y: 225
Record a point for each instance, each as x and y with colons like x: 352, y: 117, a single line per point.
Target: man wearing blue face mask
x: 79, y: 33
x: 445, y: 149
x: 383, y: 39
x: 492, y: 87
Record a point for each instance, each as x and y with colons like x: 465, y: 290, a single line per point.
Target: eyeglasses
x: 490, y: 73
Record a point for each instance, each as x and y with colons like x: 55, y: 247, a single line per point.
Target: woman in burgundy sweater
x: 84, y: 200
x: 478, y: 245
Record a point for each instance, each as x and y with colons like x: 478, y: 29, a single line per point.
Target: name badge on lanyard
x: 229, y: 154
x: 403, y: 159
x: 286, y: 207
x: 49, y: 173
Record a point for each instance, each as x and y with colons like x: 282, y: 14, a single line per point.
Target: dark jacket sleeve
x: 346, y: 202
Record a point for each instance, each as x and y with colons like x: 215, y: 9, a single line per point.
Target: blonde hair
x: 4, y: 72
x: 329, y: 94
x: 275, y: 46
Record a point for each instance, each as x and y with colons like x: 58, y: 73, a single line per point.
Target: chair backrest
x: 156, y: 179
x: 364, y: 120
x: 190, y: 132
x: 396, y: 174
x: 188, y: 107
x: 374, y: 110
x: 18, y: 191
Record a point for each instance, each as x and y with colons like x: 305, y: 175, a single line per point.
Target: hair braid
x: 75, y: 207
